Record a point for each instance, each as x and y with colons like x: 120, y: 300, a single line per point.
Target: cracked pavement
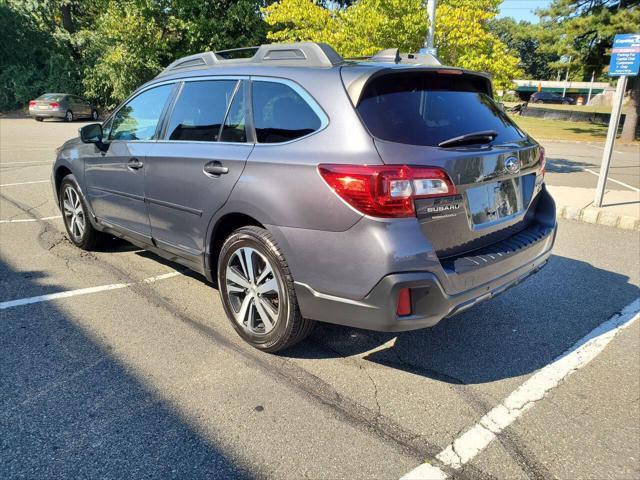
x: 151, y: 380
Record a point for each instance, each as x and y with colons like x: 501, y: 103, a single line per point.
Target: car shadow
x: 561, y: 165
x: 69, y: 408
x: 511, y: 335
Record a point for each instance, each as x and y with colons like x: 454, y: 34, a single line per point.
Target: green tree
x: 33, y: 61
x: 524, y: 38
x: 583, y: 31
x: 367, y: 26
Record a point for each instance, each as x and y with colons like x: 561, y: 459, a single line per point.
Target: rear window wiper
x: 473, y: 138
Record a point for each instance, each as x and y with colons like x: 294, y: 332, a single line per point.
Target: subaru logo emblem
x: 512, y: 165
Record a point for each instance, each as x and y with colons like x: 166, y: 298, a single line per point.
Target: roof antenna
x: 388, y: 55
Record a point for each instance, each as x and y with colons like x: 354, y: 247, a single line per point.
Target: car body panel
x: 346, y: 265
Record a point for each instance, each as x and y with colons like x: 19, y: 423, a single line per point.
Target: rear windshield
x: 51, y: 96
x: 426, y: 109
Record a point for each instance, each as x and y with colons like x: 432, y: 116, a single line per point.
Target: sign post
x: 625, y: 62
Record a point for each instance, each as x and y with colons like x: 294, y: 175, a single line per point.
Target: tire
x: 39, y: 119
x: 75, y: 214
x: 564, y: 102
x: 94, y: 115
x: 68, y: 116
x: 245, y: 305
x: 539, y: 101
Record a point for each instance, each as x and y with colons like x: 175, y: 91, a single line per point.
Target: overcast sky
x: 522, y: 9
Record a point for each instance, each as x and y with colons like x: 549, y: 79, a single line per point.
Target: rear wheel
x: 94, y: 115
x: 76, y: 215
x: 39, y: 119
x: 256, y: 288
x: 565, y: 102
x: 68, y: 116
x: 539, y: 101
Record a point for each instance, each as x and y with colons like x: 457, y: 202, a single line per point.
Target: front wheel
x: 76, y: 215
x: 39, y: 119
x: 256, y: 289
x: 94, y: 115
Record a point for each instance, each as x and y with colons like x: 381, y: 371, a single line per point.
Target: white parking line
x: 81, y: 291
x: 609, y: 179
x: 23, y: 183
x: 477, y: 438
x: 26, y: 220
x: 26, y: 163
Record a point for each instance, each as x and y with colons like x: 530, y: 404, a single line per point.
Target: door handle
x: 215, y: 169
x: 135, y: 164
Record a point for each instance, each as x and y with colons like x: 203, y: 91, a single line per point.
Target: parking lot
x: 118, y: 364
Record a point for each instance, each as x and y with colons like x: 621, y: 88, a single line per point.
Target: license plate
x: 44, y: 107
x: 496, y: 200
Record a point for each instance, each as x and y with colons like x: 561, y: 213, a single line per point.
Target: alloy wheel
x: 74, y: 215
x: 253, y: 290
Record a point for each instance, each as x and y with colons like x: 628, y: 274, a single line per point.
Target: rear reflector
x: 404, y: 302
x: 384, y: 190
x: 32, y: 103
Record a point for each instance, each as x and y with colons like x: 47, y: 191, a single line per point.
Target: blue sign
x: 625, y: 55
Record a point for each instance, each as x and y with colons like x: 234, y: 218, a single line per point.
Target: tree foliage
x: 583, y: 30
x: 103, y: 49
x: 367, y: 26
x: 524, y: 38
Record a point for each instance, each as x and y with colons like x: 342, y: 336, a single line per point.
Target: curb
x: 597, y: 216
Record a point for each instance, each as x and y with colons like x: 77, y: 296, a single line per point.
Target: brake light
x: 543, y: 161
x: 385, y: 190
x: 32, y: 103
x: 54, y: 104
x: 404, y: 302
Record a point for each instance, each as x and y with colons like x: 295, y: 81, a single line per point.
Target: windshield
x: 427, y: 109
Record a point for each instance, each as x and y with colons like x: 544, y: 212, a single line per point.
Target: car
x: 61, y: 105
x: 551, y: 97
x: 384, y: 194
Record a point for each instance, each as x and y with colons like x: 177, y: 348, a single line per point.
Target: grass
x: 576, y: 108
x: 540, y: 128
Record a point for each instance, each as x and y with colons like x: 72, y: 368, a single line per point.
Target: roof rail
x: 393, y: 55
x: 304, y: 54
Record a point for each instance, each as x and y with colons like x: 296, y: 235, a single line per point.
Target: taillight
x: 54, y: 104
x: 543, y: 161
x: 385, y: 190
x: 32, y: 103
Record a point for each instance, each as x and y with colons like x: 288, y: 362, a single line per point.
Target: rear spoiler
x: 356, y: 77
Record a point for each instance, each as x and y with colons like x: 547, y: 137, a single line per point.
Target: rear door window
x: 281, y: 114
x: 426, y: 109
x: 200, y: 110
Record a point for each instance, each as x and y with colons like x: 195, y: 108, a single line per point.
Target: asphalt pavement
x: 142, y: 376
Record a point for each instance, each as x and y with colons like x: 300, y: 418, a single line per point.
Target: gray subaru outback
x: 385, y: 194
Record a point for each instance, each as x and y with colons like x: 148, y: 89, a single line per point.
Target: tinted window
x: 234, y: 125
x: 422, y: 109
x: 137, y: 120
x: 200, y: 110
x: 280, y: 114
x: 56, y: 97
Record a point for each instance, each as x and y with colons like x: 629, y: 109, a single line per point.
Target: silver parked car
x: 61, y: 105
x: 384, y: 194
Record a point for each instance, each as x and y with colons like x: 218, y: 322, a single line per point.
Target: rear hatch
x: 446, y: 118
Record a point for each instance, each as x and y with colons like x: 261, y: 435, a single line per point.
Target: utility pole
x: 429, y: 44
x: 566, y: 79
x: 593, y: 73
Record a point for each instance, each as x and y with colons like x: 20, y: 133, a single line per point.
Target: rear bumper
x: 46, y: 113
x: 430, y: 302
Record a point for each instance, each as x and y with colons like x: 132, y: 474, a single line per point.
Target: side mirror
x: 92, y: 133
